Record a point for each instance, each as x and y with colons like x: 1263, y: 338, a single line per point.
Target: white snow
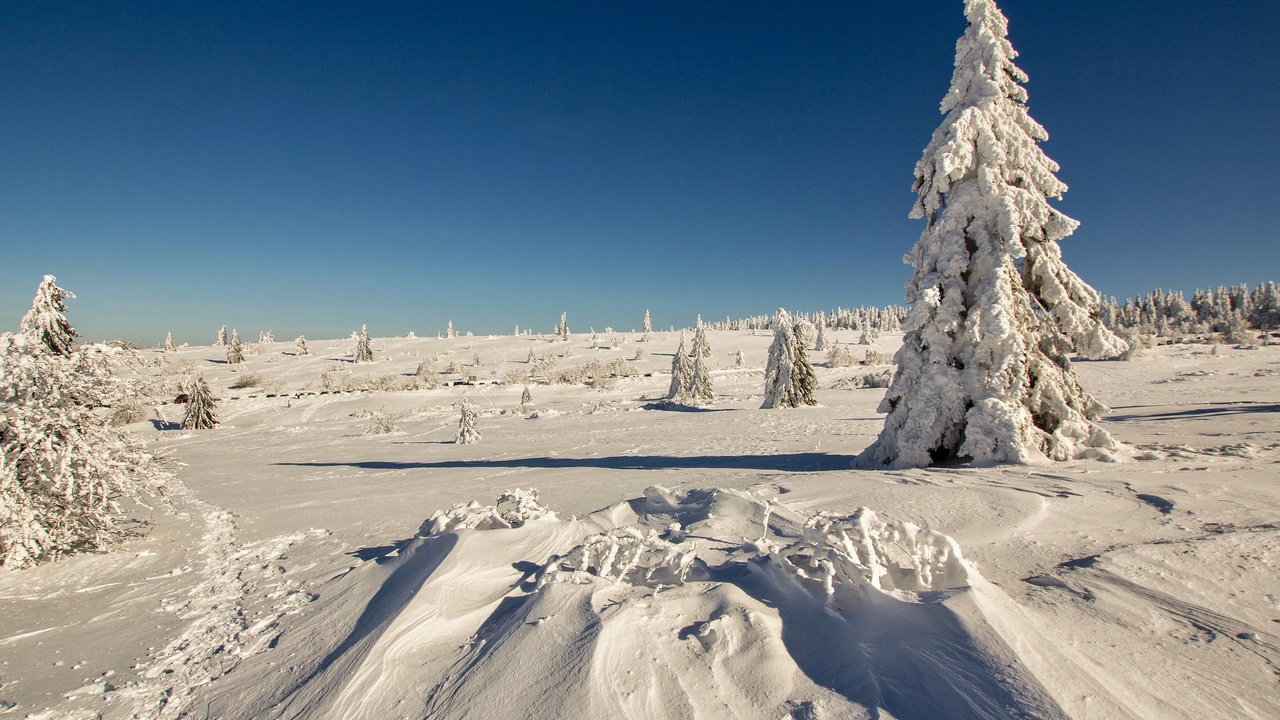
x: 719, y: 562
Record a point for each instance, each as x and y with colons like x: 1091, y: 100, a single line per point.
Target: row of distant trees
x: 1229, y: 310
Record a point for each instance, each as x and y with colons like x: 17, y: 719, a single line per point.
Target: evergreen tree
x: 449, y: 332
x: 820, y: 343
x: 363, y: 350
x: 700, y: 345
x: 983, y: 372
x: 200, y: 406
x: 63, y: 471
x: 467, y: 433
x: 526, y: 399
x: 648, y: 327
x: 778, y: 390
x: 803, y: 381
x: 46, y: 322
x: 266, y: 336
x: 222, y: 336
x: 700, y: 380
x: 169, y: 344
x: 739, y: 359
x: 562, y: 329
x: 681, y: 373
x: 302, y: 348
x: 235, y: 351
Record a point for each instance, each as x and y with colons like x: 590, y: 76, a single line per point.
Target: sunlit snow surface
x: 720, y: 561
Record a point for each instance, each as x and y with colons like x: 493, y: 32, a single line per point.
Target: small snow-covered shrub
x: 881, y: 379
x: 382, y: 422
x: 839, y: 356
x: 875, y: 357
x: 246, y: 381
x: 127, y: 414
x: 515, y: 376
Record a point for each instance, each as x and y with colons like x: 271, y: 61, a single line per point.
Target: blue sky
x: 310, y: 166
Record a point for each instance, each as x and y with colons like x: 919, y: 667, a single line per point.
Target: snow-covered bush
x: 882, y: 379
x: 63, y: 472
x: 382, y: 422
x: 200, y: 406
x: 247, y: 381
x: 839, y: 356
x: 467, y: 432
x: 300, y: 346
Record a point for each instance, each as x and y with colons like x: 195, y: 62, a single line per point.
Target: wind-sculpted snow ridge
x: 706, y: 603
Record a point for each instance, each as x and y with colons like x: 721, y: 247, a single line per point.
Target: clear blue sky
x: 310, y: 166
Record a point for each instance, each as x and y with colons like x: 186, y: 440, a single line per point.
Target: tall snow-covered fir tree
x: 222, y: 336
x: 820, y: 343
x: 525, y: 398
x: 777, y: 369
x: 467, y: 432
x: 46, y: 321
x: 789, y: 380
x: 449, y: 331
x: 804, y: 383
x: 363, y: 350
x: 700, y: 380
x: 235, y: 350
x: 983, y: 373
x: 562, y: 330
x: 647, y: 327
x: 63, y: 471
x: 681, y: 373
x: 200, y: 406
x: 169, y: 344
x: 700, y: 344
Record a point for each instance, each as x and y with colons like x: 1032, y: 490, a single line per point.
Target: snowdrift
x: 703, y: 603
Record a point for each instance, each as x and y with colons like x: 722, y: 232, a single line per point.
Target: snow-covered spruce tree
x: 200, y: 406
x: 266, y: 336
x: 46, y: 322
x: 169, y: 344
x: 526, y: 399
x: 235, y: 350
x: 803, y: 381
x: 647, y: 327
x: 700, y: 345
x: 449, y: 331
x: 63, y: 471
x: 301, y: 344
x: 222, y: 337
x: 562, y: 330
x: 700, y: 380
x: 820, y: 343
x: 363, y: 351
x: 681, y: 373
x: 467, y: 433
x: 777, y: 372
x: 983, y: 373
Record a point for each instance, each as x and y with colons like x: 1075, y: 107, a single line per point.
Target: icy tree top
x: 988, y: 135
x: 45, y: 323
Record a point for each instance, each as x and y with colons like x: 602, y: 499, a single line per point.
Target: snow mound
x: 707, y: 603
x: 513, y: 509
x: 862, y: 549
